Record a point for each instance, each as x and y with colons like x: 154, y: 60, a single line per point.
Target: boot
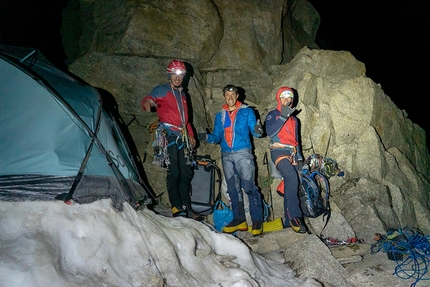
x: 179, y: 212
x: 235, y: 225
x: 298, y: 225
x: 257, y: 228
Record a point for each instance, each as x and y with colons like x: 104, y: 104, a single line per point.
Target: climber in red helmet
x: 174, y: 145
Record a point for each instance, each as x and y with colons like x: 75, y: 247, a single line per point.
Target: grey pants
x: 239, y: 172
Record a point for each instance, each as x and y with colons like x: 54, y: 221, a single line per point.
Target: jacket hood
x: 278, y: 95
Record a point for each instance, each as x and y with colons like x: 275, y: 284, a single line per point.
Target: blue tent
x: 56, y: 139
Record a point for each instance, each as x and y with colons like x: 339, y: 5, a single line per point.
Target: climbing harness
x: 160, y: 143
x: 291, y: 158
x: 409, y: 248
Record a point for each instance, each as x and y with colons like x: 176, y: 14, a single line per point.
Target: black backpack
x: 202, y: 188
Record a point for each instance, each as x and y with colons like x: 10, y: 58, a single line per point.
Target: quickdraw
x: 326, y: 165
x: 329, y: 241
x: 152, y: 127
x: 188, y: 148
x: 160, y: 144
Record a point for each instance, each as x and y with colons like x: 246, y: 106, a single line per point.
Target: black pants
x: 179, y: 175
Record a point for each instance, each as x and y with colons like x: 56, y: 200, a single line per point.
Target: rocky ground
x: 350, y: 265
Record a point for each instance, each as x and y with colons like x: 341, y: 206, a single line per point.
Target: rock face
x: 124, y: 48
x: 346, y: 116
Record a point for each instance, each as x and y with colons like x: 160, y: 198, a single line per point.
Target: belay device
x: 202, y: 190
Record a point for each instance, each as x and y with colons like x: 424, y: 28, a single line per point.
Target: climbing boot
x: 257, y: 228
x: 179, y: 212
x: 235, y: 225
x: 195, y: 216
x: 298, y: 225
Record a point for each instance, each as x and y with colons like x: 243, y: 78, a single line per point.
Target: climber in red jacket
x: 176, y: 146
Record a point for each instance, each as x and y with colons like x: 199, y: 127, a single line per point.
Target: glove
x: 287, y: 111
x: 258, y: 129
x: 202, y: 137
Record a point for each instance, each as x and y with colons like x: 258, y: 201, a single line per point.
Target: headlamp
x: 286, y: 94
x: 229, y: 88
x: 179, y: 72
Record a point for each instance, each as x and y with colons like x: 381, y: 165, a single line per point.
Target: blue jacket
x: 243, y: 126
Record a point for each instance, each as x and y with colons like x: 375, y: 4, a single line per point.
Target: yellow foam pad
x: 270, y: 226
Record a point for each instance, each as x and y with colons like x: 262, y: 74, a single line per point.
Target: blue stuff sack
x: 222, y: 215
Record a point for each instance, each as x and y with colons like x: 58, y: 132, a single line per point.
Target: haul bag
x: 202, y: 189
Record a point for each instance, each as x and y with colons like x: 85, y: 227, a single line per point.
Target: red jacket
x: 281, y: 130
x: 169, y: 110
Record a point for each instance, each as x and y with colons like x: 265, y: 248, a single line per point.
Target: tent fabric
x: 54, y: 133
x: 46, y: 188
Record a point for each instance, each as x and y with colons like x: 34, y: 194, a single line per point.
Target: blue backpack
x: 314, y: 194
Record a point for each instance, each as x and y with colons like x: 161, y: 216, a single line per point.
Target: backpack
x: 314, y: 191
x: 202, y: 188
x: 314, y: 194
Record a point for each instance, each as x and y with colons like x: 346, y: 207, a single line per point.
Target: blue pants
x: 239, y: 172
x: 291, y: 183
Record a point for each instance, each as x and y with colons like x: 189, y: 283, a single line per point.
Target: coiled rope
x: 410, y: 248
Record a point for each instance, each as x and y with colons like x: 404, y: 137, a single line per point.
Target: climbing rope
x: 410, y: 248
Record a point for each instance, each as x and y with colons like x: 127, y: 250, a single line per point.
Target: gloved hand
x: 287, y: 111
x: 258, y: 129
x: 202, y: 137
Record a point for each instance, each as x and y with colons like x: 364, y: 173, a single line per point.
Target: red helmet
x: 176, y: 67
